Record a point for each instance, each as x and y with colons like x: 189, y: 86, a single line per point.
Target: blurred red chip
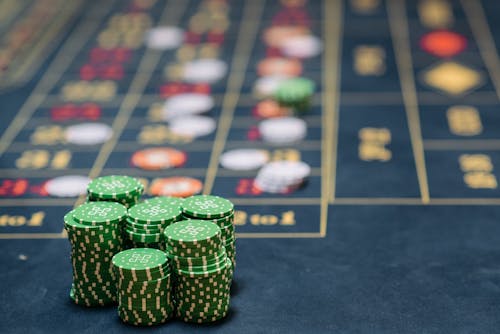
x: 158, y: 158
x: 279, y: 66
x: 443, y: 43
x: 176, y: 186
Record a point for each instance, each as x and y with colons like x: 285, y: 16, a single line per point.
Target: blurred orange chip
x: 270, y: 109
x: 279, y: 66
x: 178, y: 186
x: 274, y: 36
x: 158, y: 158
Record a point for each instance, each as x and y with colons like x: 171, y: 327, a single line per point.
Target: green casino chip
x: 189, y: 252
x: 224, y: 222
x: 295, y: 93
x: 207, y: 207
x: 146, y: 226
x: 154, y: 212
x: 197, y: 261
x: 143, y: 275
x: 204, y: 307
x: 71, y: 225
x: 146, y: 229
x: 165, y: 200
x: 144, y: 237
x: 222, y: 268
x: 192, y: 232
x: 115, y: 187
x: 140, y: 259
x: 99, y: 213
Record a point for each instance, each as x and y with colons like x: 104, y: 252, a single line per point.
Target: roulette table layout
x: 359, y: 142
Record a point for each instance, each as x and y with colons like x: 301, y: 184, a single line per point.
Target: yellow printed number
x: 478, y: 171
x: 369, y: 60
x: 289, y: 154
x: 464, y: 121
x: 160, y: 134
x: 47, y: 135
x: 286, y: 218
x: 78, y: 91
x: 37, y: 159
x: 372, y: 144
x: 35, y: 220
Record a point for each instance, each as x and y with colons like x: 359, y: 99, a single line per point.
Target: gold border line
x: 462, y: 144
x: 482, y: 34
x: 278, y: 235
x: 5, y: 236
x: 331, y: 94
x: 400, y: 36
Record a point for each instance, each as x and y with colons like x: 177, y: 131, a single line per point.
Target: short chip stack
x: 94, y: 233
x: 217, y: 210
x: 295, y: 93
x: 146, y: 221
x: 282, y: 176
x: 203, y: 272
x: 123, y: 189
x: 144, y: 286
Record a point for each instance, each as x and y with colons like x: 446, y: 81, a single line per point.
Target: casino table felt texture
x: 392, y: 229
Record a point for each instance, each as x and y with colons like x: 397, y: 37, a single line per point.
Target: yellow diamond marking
x: 453, y: 78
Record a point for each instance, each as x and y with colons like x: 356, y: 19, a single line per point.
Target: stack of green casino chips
x: 146, y: 221
x: 123, y: 189
x: 217, y: 210
x: 295, y: 93
x: 144, y: 286
x: 203, y: 272
x: 94, y: 233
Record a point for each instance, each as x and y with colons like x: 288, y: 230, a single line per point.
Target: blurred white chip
x: 164, y: 38
x: 67, y: 186
x: 192, y: 126
x: 244, y: 159
x: 88, y: 133
x: 306, y: 46
x: 187, y: 104
x: 204, y: 70
x: 283, y: 130
x: 282, y: 176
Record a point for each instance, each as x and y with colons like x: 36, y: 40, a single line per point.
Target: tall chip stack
x: 217, y: 210
x: 94, y: 233
x: 146, y: 222
x: 203, y: 272
x: 144, y: 286
x: 123, y: 189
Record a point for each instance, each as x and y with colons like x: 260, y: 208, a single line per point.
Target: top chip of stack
x: 116, y: 188
x: 207, y: 207
x: 165, y: 199
x: 295, y: 93
x: 193, y: 238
